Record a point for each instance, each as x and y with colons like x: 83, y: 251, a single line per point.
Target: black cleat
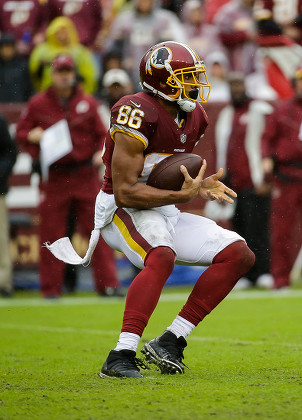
x: 122, y: 364
x: 166, y: 352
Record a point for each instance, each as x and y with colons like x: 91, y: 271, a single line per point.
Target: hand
x: 263, y: 189
x: 97, y: 160
x: 267, y: 165
x: 35, y: 135
x: 192, y: 185
x: 213, y: 189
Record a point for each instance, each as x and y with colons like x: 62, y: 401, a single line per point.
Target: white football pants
x: 195, y: 240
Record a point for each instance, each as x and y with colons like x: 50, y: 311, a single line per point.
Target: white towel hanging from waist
x: 64, y: 251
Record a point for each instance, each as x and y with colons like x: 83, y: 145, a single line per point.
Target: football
x: 166, y: 175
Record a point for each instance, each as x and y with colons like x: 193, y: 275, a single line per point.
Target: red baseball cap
x: 63, y: 61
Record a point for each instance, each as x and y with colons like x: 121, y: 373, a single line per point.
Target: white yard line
x: 87, y: 331
x: 59, y: 330
x: 166, y: 297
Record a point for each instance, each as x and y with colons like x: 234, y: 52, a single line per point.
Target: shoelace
x: 176, y: 350
x: 181, y: 356
x: 133, y: 362
x: 139, y: 363
x: 181, y: 345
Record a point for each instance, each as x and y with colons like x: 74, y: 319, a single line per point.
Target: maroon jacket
x: 85, y: 125
x: 237, y: 161
x: 282, y: 140
x: 85, y: 14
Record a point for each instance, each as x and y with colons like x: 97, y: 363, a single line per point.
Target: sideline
x: 165, y: 297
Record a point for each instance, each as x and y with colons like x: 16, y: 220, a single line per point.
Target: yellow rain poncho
x: 43, y: 55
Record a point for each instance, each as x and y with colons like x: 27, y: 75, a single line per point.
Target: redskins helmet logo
x: 159, y: 59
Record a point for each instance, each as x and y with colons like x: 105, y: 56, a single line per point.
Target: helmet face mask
x: 193, y: 77
x: 173, y: 71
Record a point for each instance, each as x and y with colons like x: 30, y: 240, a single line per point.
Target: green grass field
x: 244, y: 360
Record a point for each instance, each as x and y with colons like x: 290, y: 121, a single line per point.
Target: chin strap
x: 186, y: 105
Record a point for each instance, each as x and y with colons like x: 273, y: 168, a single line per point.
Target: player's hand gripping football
x: 209, y: 188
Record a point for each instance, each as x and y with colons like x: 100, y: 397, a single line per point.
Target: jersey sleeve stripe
x: 132, y: 133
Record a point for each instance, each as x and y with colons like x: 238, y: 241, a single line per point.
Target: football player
x: 144, y: 223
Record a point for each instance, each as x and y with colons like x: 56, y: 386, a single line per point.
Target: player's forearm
x: 141, y: 196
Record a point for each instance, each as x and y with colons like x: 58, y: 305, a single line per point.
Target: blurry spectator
x: 8, y: 155
x: 279, y: 16
x: 212, y: 7
x: 238, y: 146
x: 62, y: 38
x: 112, y: 59
x: 204, y: 38
x: 137, y: 29
x: 278, y: 54
x: 278, y: 63
x: 26, y: 20
x: 236, y: 26
x: 217, y: 69
x: 66, y: 186
x: 174, y: 6
x: 85, y: 14
x: 282, y: 159
x: 116, y: 84
x: 15, y: 85
x: 118, y: 6
x: 257, y: 83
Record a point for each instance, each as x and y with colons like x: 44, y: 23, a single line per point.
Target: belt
x: 287, y: 178
x: 69, y: 166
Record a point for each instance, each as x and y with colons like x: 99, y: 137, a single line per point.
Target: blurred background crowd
x: 252, y: 50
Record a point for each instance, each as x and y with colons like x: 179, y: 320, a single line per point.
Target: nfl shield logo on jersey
x: 183, y: 138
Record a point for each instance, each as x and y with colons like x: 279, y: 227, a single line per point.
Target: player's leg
x: 200, y: 241
x: 53, y: 211
x: 283, y: 227
x: 144, y: 239
x: 251, y: 221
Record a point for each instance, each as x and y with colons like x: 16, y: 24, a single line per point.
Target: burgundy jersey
x: 142, y: 117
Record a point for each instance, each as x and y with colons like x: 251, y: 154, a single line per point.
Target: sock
x: 217, y: 281
x: 127, y: 341
x: 144, y: 291
x: 181, y: 327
